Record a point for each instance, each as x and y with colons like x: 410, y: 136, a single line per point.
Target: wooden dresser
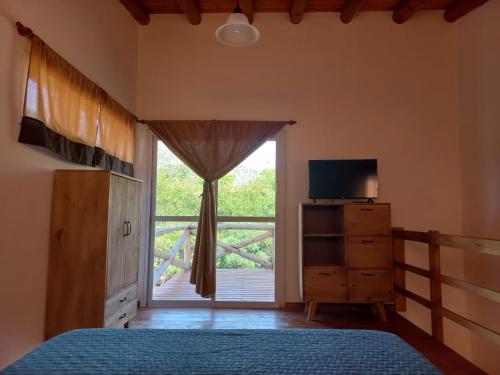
x: 94, y: 251
x: 345, y: 254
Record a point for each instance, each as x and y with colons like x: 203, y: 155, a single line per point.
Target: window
x: 246, y: 229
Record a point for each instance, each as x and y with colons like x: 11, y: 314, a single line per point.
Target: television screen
x: 343, y: 179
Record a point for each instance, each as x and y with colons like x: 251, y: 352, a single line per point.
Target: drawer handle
x: 123, y: 299
x: 127, y: 228
x: 325, y: 273
x: 367, y: 274
x: 123, y: 316
x: 367, y: 209
x: 367, y: 241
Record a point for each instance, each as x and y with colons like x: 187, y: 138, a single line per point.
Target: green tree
x: 242, y: 192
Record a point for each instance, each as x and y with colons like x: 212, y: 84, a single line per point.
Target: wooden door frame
x: 279, y: 240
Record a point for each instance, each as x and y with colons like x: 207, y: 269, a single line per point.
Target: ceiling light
x: 237, y: 31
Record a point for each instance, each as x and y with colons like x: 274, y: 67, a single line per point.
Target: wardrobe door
x: 77, y: 259
x: 117, y: 230
x: 132, y: 240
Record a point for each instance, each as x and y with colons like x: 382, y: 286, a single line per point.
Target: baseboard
x: 295, y: 306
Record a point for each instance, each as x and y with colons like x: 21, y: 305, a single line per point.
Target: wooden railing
x: 188, y: 231
x: 435, y: 240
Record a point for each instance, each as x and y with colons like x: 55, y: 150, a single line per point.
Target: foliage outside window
x: 247, y: 191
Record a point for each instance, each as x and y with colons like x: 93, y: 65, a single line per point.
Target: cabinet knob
x: 123, y: 316
x: 123, y: 299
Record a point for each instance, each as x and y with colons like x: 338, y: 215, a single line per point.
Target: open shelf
x: 323, y: 219
x: 324, y: 251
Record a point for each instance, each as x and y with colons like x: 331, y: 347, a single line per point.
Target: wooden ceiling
x: 402, y: 9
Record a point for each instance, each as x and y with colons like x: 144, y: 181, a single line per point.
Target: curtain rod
x: 28, y: 33
x: 291, y: 122
x: 24, y: 31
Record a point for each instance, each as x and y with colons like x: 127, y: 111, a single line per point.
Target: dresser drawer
x: 325, y: 284
x: 120, y: 300
x: 369, y: 252
x: 370, y: 285
x: 122, y: 316
x: 368, y: 220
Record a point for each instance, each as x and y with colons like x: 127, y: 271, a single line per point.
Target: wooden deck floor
x: 232, y: 285
x: 448, y: 361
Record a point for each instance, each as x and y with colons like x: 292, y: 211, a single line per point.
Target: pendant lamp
x: 237, y: 31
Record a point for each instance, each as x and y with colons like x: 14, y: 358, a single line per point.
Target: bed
x: 286, y: 351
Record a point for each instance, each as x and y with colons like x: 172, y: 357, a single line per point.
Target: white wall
x: 479, y: 62
x: 100, y: 38
x: 368, y: 89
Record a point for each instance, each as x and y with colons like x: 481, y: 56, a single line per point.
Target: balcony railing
x: 435, y: 240
x: 180, y: 253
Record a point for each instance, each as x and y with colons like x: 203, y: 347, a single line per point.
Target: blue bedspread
x: 287, y: 351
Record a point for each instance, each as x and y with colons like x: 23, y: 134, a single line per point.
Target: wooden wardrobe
x: 94, y: 251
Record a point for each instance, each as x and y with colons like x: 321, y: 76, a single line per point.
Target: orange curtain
x: 70, y: 115
x: 61, y: 108
x: 115, y: 138
x: 211, y: 149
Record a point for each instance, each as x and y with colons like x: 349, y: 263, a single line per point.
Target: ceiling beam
x: 191, y: 11
x: 137, y: 10
x: 351, y: 7
x: 297, y: 9
x: 460, y: 8
x: 246, y: 7
x: 407, y: 9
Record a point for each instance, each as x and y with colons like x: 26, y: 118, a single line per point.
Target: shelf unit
x: 345, y: 254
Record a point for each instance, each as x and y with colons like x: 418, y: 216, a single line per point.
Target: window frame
x: 279, y: 238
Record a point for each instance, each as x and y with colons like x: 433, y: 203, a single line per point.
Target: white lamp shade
x: 237, y: 32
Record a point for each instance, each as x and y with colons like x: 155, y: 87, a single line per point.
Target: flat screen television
x: 343, y: 179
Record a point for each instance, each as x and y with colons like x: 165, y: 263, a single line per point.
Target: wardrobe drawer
x: 325, y: 284
x: 370, y: 285
x: 369, y: 252
x: 120, y: 300
x: 368, y: 220
x: 122, y: 316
